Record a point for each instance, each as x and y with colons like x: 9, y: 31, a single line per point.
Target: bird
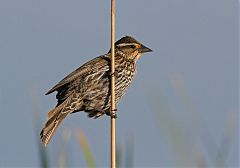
x: 88, y: 87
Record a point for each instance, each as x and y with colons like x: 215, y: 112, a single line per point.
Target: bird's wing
x: 96, y: 64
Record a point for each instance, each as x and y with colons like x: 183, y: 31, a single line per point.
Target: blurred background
x: 181, y: 111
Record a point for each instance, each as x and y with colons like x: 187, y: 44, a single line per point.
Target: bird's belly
x: 99, y: 97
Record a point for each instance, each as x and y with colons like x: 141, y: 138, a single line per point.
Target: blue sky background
x: 182, y: 108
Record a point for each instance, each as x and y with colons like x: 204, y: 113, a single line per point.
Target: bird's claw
x: 112, y: 113
x: 113, y: 74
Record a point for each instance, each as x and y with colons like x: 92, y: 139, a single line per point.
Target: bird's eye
x: 133, y: 46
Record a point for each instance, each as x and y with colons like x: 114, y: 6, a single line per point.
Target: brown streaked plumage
x: 88, y: 87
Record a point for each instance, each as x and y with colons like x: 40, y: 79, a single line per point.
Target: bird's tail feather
x: 55, y: 117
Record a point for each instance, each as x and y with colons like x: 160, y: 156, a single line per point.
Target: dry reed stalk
x: 113, y: 103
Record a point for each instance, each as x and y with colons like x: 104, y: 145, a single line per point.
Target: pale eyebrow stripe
x: 125, y: 44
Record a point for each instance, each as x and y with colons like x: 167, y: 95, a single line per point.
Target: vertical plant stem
x: 113, y: 103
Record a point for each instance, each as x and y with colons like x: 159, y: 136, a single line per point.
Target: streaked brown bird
x: 88, y: 87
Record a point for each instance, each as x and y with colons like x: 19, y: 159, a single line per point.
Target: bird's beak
x: 144, y: 49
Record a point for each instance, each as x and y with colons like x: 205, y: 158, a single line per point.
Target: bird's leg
x: 112, y: 113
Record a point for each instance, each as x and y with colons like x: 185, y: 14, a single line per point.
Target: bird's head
x: 130, y: 48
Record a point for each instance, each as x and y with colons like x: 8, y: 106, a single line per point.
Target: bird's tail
x: 55, y: 117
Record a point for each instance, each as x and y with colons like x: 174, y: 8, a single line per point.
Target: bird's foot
x: 113, y: 74
x: 112, y: 113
